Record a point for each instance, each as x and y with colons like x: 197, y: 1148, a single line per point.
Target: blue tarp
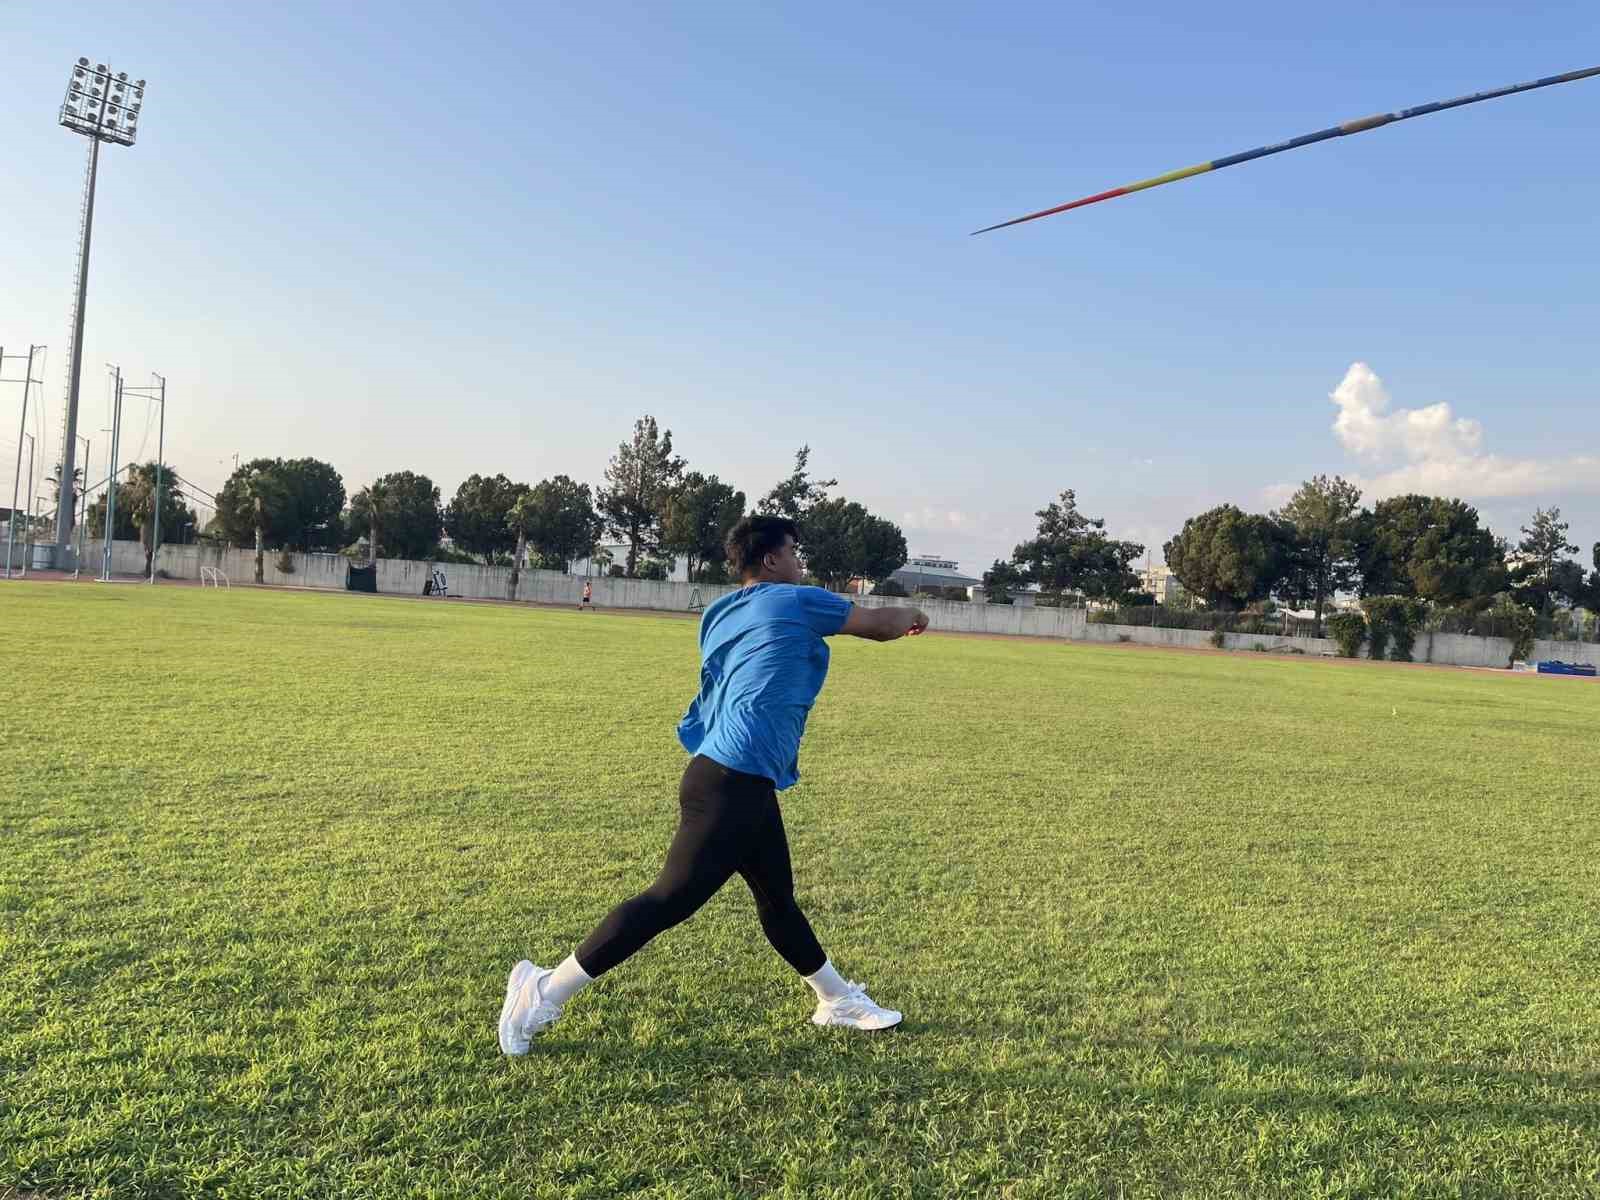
x: 1557, y: 667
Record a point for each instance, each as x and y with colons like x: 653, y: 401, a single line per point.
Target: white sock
x: 566, y: 981
x: 827, y: 983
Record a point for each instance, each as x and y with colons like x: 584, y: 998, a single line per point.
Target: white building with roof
x: 931, y: 571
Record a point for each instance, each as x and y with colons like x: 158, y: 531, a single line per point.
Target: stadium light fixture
x: 103, y: 105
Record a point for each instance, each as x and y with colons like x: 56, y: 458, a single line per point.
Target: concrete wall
x: 406, y: 577
x: 1201, y: 639
x: 958, y: 617
x: 309, y: 570
x: 127, y: 558
x: 1572, y: 652
x: 1463, y: 650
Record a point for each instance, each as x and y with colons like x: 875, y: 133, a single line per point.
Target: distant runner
x: 588, y: 594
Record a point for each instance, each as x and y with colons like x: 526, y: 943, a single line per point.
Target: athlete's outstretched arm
x: 884, y: 624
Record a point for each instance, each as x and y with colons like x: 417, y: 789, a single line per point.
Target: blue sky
x: 486, y: 238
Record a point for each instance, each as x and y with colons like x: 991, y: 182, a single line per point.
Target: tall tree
x: 1431, y: 548
x: 1072, y: 553
x: 477, y: 517
x: 879, y: 549
x: 1323, y: 522
x: 642, y: 474
x: 845, y: 542
x: 315, y: 501
x: 1567, y: 584
x: 830, y: 528
x: 139, y: 495
x: 699, y: 514
x: 126, y: 530
x: 301, y: 503
x: 402, y: 509
x: 236, y: 508
x: 795, y: 496
x: 1003, y: 581
x: 1543, y: 547
x: 1227, y: 557
x: 556, y: 517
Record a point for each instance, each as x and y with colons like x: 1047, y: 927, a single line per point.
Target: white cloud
x: 1367, y: 428
x: 1431, y: 450
x: 935, y: 520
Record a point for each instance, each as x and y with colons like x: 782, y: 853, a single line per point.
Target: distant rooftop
x: 928, y: 570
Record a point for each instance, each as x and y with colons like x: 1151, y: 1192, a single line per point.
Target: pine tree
x: 640, y: 479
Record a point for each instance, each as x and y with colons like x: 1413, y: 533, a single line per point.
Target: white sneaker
x: 525, y: 1011
x: 855, y: 1010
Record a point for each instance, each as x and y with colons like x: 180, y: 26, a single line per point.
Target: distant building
x: 1161, y: 583
x: 932, y: 572
x: 615, y: 554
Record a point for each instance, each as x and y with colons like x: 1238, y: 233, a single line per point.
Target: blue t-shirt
x: 762, y: 663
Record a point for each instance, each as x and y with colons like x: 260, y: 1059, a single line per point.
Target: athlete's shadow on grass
x: 1207, y: 1075
x: 1502, y: 1094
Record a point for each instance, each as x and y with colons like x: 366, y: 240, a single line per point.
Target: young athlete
x: 588, y: 594
x: 762, y: 663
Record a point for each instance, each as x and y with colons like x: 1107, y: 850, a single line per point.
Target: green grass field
x: 1163, y: 924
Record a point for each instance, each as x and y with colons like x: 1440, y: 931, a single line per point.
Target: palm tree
x: 375, y: 498
x: 520, y: 519
x: 139, y: 494
x: 257, y: 485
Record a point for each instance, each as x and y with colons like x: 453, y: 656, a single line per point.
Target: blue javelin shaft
x: 1360, y: 125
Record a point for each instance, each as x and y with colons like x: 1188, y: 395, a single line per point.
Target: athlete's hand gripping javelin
x: 884, y: 624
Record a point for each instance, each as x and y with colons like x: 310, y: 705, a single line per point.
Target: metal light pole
x: 157, y: 392
x: 104, y: 107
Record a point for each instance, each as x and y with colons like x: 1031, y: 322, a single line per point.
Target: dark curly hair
x: 755, y: 537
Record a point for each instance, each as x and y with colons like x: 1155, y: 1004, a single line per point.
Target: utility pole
x: 83, y: 509
x: 108, y: 534
x: 27, y: 528
x: 27, y: 382
x: 157, y: 392
x: 161, y: 447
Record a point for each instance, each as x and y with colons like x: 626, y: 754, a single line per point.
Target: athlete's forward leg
x: 769, y: 872
x: 702, y: 857
x: 705, y: 852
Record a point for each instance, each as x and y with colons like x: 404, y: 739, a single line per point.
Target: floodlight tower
x: 104, y: 106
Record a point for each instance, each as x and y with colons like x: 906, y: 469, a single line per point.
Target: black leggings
x: 728, y: 821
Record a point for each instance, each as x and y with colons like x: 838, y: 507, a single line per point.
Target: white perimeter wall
x: 406, y: 577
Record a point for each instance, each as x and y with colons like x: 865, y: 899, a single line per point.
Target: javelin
x: 1358, y: 126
